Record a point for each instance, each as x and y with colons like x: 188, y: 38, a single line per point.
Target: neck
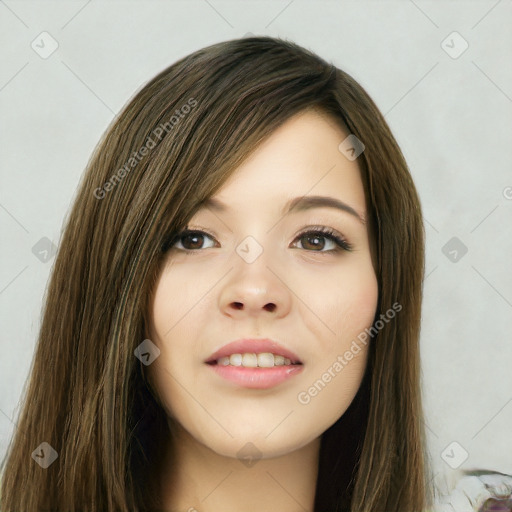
x: 197, y: 479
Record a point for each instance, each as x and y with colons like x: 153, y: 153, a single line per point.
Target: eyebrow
x: 297, y: 204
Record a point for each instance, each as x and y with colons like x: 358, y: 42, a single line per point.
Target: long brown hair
x: 174, y: 144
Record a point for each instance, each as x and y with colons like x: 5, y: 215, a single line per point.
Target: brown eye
x: 314, y: 241
x: 190, y: 240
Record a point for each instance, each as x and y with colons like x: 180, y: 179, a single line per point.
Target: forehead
x: 298, y: 167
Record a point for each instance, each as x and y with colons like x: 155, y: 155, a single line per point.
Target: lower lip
x: 257, y: 378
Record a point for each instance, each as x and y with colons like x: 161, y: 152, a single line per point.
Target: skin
x: 312, y: 301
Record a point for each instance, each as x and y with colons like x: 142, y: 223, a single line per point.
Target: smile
x: 256, y: 377
x: 251, y: 360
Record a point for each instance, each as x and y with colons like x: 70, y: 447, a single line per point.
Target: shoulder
x: 473, y: 490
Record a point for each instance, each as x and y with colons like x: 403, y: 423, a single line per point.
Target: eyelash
x: 322, y: 231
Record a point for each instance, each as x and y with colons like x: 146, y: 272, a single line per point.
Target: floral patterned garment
x: 478, y: 491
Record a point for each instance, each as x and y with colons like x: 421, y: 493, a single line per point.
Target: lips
x: 254, y: 346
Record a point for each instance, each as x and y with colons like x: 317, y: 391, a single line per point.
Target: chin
x: 251, y: 445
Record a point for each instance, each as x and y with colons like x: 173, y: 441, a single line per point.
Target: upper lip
x: 254, y: 346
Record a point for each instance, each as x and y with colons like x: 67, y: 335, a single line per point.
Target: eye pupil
x: 317, y: 238
x: 193, y: 236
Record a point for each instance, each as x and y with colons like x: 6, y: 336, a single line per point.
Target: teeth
x: 251, y: 360
x: 278, y: 360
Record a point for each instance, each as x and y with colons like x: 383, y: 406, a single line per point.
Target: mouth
x: 254, y: 353
x: 257, y: 364
x: 252, y: 360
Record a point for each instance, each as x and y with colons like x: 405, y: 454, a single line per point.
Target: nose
x: 255, y: 289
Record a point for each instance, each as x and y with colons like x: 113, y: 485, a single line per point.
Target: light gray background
x: 450, y: 113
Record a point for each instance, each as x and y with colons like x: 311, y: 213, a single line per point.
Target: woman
x: 195, y: 352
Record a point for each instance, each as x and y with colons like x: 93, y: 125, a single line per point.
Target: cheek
x: 339, y: 363
x: 342, y: 305
x: 356, y: 304
x: 176, y: 292
x: 165, y: 309
x: 169, y: 326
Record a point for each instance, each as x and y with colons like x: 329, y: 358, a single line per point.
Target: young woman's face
x: 252, y: 270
